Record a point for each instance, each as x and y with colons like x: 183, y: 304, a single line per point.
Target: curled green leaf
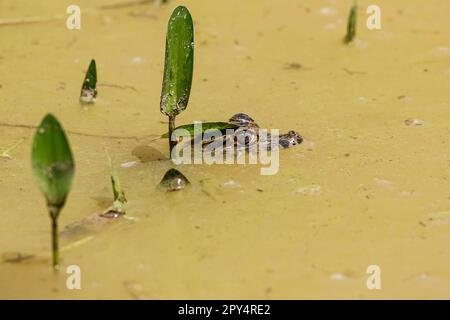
x: 190, y: 129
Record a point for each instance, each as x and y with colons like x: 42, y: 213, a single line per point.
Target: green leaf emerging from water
x: 52, y: 161
x: 120, y: 202
x: 89, y: 87
x: 179, y: 62
x: 351, y: 24
x: 190, y: 128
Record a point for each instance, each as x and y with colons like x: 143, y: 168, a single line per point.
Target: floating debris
x: 136, y: 290
x: 337, y: 276
x: 310, y: 145
x: 15, y: 257
x: 352, y: 72
x: 137, y: 60
x: 442, y: 51
x: 173, y: 180
x: 311, y: 190
x: 414, y: 122
x: 230, y: 183
x: 89, y: 87
x: 4, y: 152
x: 405, y: 98
x: 327, y: 11
x: 383, y: 183
x: 436, y: 219
x: 128, y: 164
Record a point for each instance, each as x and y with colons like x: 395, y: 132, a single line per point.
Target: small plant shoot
x: 89, y: 87
x: 53, y: 167
x: 351, y: 24
x: 120, y: 201
x: 178, y: 67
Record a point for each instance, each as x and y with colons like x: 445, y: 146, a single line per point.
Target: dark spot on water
x: 293, y: 66
x: 15, y: 257
x: 147, y: 154
x: 102, y: 202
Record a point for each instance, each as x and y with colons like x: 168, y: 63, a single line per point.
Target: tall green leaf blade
x: 351, y: 24
x: 52, y: 161
x: 179, y: 62
x: 190, y: 128
x: 89, y: 87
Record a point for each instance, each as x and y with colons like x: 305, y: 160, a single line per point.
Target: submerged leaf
x: 179, y: 61
x: 351, y: 24
x: 173, y: 180
x: 52, y: 161
x: 89, y: 88
x: 221, y: 126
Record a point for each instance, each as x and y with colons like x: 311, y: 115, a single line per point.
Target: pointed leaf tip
x: 89, y: 87
x: 351, y: 24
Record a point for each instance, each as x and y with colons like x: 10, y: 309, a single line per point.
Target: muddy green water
x: 364, y: 189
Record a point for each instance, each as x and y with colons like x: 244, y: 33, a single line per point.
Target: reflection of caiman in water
x: 92, y: 223
x: 72, y: 236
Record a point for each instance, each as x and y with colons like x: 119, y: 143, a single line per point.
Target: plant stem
x: 54, y: 212
x: 172, y: 143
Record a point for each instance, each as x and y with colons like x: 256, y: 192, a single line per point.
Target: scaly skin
x: 248, y: 134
